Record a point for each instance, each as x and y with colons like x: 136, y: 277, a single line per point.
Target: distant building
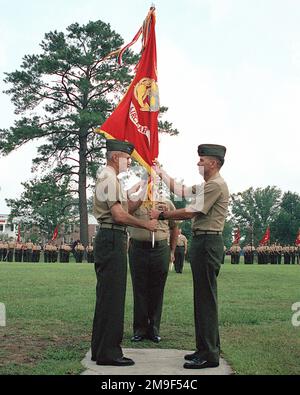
x: 66, y: 233
x: 7, y: 229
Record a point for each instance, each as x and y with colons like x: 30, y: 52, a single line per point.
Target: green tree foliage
x: 43, y: 205
x: 60, y: 95
x: 227, y: 233
x: 255, y: 209
x: 285, y: 227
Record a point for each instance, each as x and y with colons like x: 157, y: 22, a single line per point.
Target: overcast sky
x: 229, y: 71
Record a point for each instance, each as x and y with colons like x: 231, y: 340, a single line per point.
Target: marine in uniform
x: 11, y: 249
x: 180, y: 252
x: 278, y: 253
x: 4, y: 251
x: 29, y: 246
x: 90, y: 253
x: 208, y: 212
x: 112, y: 211
x: 67, y: 251
x: 1, y: 250
x: 235, y: 251
x: 61, y: 253
x: 38, y: 253
x: 149, y: 267
x: 34, y: 253
x: 54, y: 253
x: 248, y: 254
x: 47, y: 253
x: 298, y: 254
x: 293, y: 254
x: 286, y: 255
x: 18, y: 252
x: 79, y: 250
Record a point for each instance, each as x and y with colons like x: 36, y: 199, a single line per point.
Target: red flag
x: 55, y: 234
x: 266, y: 237
x: 297, y: 241
x: 19, y: 234
x: 237, y: 236
x: 135, y: 118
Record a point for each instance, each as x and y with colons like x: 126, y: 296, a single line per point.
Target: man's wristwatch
x: 161, y: 216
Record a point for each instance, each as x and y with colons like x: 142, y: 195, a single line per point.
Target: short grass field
x: 50, y: 311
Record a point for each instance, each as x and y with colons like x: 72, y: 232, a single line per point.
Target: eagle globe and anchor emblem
x: 146, y: 93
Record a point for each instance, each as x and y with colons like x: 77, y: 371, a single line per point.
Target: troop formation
x: 275, y: 254
x: 14, y: 251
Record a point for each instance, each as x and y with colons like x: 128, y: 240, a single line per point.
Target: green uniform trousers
x: 206, y: 257
x: 110, y: 252
x: 179, y: 258
x: 149, y: 270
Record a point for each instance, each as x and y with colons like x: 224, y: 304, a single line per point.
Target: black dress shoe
x: 191, y: 357
x: 155, y: 339
x: 123, y: 361
x: 137, y: 338
x: 200, y: 364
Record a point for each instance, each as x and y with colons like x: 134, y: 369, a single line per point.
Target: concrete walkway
x: 153, y: 362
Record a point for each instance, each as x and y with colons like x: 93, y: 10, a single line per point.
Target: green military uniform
x: 180, y: 252
x: 4, y: 251
x: 79, y: 250
x: 29, y: 246
x: 273, y: 256
x: 235, y: 251
x: 11, y: 249
x: 149, y: 270
x: 38, y: 253
x: 1, y: 250
x: 90, y: 253
x: 298, y: 254
x: 278, y: 253
x: 34, y: 253
x: 293, y: 254
x: 18, y: 252
x: 110, y: 254
x: 65, y: 253
x: 47, y: 253
x: 286, y: 255
x: 206, y: 255
x: 248, y: 254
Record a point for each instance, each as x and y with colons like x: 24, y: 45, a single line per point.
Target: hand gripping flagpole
x: 152, y: 203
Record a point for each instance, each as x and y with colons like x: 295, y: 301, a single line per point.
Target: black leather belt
x: 148, y: 244
x: 206, y: 232
x: 106, y: 225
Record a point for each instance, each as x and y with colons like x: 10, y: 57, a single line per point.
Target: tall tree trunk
x: 84, y: 235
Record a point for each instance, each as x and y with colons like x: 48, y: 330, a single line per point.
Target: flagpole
x: 153, y: 205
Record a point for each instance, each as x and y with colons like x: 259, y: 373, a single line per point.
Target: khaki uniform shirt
x: 19, y: 246
x: 11, y: 245
x: 108, y: 191
x: 79, y: 247
x: 235, y: 249
x: 29, y: 245
x: 181, y: 241
x: 163, y: 228
x: 211, y: 201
